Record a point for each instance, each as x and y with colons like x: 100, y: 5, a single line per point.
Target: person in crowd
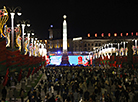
x: 45, y: 88
x: 52, y: 99
x: 10, y: 95
x: 64, y: 96
x: 38, y: 97
x: 15, y: 94
x: 45, y: 100
x: 35, y: 94
x: 58, y: 96
x: 22, y: 94
x: 76, y: 96
x: 131, y: 96
x: 4, y: 93
x: 39, y: 88
x: 86, y: 95
x: 29, y: 95
x: 33, y: 99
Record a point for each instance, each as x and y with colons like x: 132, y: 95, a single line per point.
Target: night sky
x: 83, y: 17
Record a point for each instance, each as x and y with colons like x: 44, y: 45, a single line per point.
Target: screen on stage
x: 73, y: 60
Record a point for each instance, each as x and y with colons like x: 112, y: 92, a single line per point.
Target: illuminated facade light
x: 109, y: 34
x: 102, y: 34
x: 88, y: 34
x: 40, y: 40
x: 136, y: 33
x: 126, y: 34
x: 115, y: 34
x: 45, y: 41
x: 95, y: 34
x: 121, y: 34
x: 79, y: 38
x: 132, y: 33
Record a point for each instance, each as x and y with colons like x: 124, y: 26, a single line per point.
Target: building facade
x: 85, y: 44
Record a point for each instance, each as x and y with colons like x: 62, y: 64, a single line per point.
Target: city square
x: 68, y: 51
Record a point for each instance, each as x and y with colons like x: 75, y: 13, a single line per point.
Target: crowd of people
x: 85, y: 84
x: 88, y: 85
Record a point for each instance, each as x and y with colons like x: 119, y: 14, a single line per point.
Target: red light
x: 132, y: 33
x: 121, y: 34
x: 109, y: 34
x: 115, y: 34
x: 102, y: 34
x: 95, y: 34
x: 88, y: 34
x: 136, y: 33
x: 126, y: 34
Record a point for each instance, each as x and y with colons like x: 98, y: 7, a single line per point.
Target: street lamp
x: 23, y: 24
x: 12, y: 13
x: 29, y: 33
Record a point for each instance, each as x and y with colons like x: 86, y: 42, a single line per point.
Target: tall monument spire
x: 65, y: 58
x: 64, y: 34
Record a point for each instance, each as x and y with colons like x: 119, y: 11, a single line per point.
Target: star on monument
x: 64, y: 16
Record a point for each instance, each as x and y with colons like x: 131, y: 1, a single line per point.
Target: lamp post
x: 29, y: 34
x: 12, y: 13
x: 136, y: 45
x: 23, y: 24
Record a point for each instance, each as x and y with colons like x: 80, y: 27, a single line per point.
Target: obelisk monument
x: 65, y: 54
x: 64, y: 34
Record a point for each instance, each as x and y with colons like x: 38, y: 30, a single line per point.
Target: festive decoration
x: 3, y: 19
x: 18, y: 38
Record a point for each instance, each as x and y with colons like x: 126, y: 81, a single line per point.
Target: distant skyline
x: 83, y: 17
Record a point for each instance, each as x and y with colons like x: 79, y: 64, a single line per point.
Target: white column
x: 64, y: 34
x: 135, y: 43
x: 124, y: 45
x: 12, y: 29
x: 23, y: 26
x: 28, y: 37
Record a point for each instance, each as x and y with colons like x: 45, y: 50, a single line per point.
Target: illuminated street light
x: 29, y: 33
x: 23, y: 24
x: 12, y: 13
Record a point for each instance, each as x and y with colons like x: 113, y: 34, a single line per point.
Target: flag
x: 6, y: 78
x: 20, y: 76
x: 29, y: 71
x: 33, y: 71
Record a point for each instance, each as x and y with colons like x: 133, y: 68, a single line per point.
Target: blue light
x: 51, y: 26
x: 59, y: 52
